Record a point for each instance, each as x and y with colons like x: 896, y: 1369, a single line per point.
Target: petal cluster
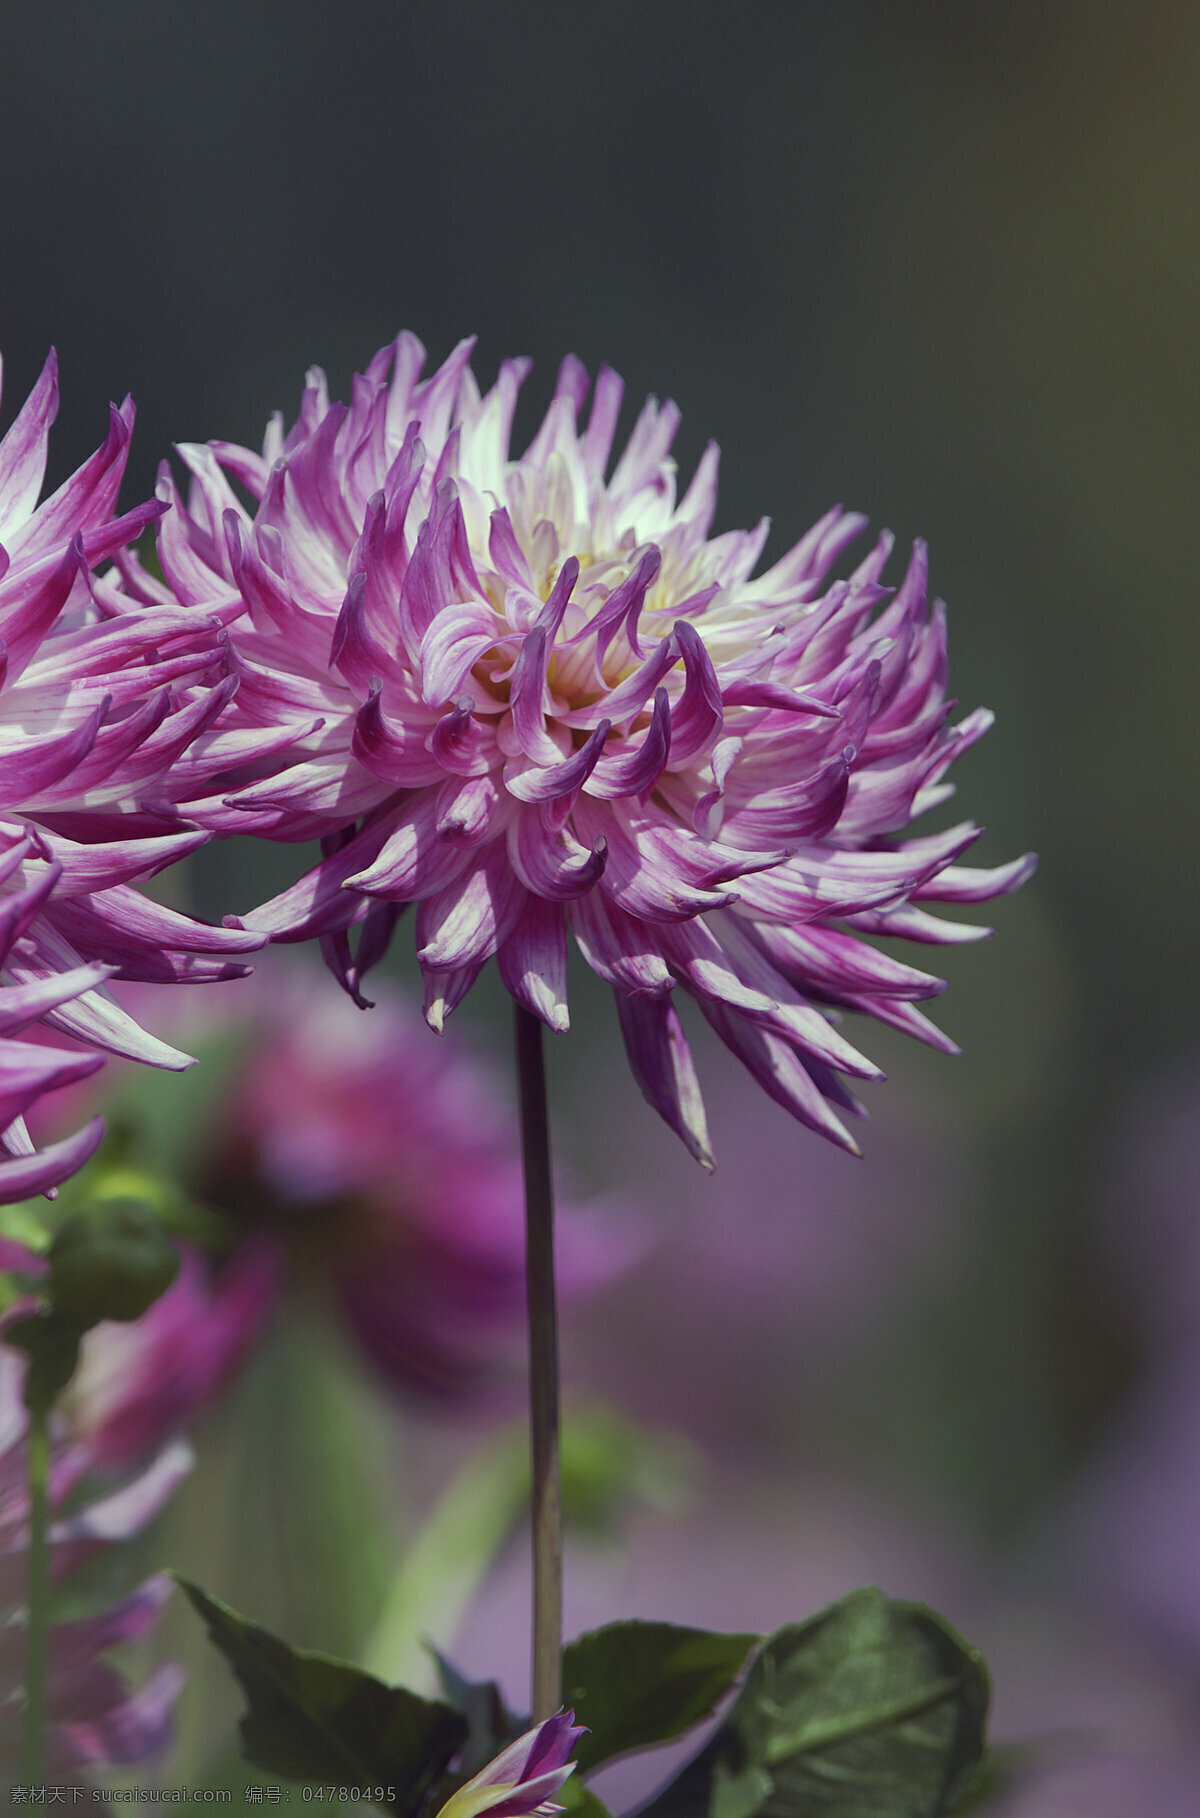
x: 522, y: 1780
x: 534, y: 695
x: 27, y: 1070
x: 105, y: 685
x: 94, y: 1717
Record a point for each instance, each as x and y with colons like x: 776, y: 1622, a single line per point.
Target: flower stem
x: 543, y: 1367
x: 38, y: 1597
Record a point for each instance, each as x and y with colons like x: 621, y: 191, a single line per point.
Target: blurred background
x: 936, y: 261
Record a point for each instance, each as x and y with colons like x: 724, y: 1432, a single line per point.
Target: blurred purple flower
x: 355, y: 1157
x: 94, y: 1718
x: 525, y: 696
x: 102, y: 690
x: 140, y: 1381
x: 523, y: 1778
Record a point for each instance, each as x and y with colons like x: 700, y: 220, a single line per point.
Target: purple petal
x: 463, y: 924
x: 533, y: 960
x: 138, y: 1727
x: 619, y: 948
x: 620, y: 611
x: 452, y: 646
x: 698, y: 716
x: 779, y: 1070
x: 414, y: 861
x: 662, y: 1065
x: 461, y: 743
x: 126, y: 1510
x: 635, y: 771
x: 398, y: 755
x: 23, y: 450
x: 529, y: 698
x: 23, y: 1004
x: 317, y: 902
x: 549, y: 861
x: 550, y: 781
x: 26, y: 1072
x: 24, y: 1176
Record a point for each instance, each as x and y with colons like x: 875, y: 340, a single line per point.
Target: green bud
x: 110, y: 1262
x: 51, y: 1343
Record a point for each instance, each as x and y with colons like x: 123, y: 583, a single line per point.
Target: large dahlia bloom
x: 532, y: 694
x: 94, y: 1717
x: 104, y: 689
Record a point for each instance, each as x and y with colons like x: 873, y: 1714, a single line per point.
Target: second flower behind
x: 349, y: 1156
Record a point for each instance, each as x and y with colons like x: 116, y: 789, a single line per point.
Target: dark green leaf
x: 311, y: 1717
x: 491, y: 1726
x: 872, y: 1709
x: 635, y: 1684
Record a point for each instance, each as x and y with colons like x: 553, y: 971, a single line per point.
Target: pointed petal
x: 23, y: 1176
x: 533, y: 960
x: 662, y: 1065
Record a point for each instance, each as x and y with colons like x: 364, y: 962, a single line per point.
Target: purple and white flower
x: 522, y: 1780
x: 532, y: 695
x: 104, y: 688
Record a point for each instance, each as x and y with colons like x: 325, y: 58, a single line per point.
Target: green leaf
x: 636, y: 1684
x: 491, y: 1726
x: 871, y: 1709
x: 311, y: 1717
x: 449, y: 1558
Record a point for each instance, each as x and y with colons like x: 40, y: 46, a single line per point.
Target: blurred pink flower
x: 138, y: 1382
x: 353, y: 1157
x: 94, y: 1718
x: 529, y: 697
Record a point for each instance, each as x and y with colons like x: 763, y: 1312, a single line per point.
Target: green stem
x: 543, y: 1368
x: 38, y: 1598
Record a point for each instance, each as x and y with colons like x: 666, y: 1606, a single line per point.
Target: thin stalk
x: 543, y: 1367
x: 37, y: 1598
